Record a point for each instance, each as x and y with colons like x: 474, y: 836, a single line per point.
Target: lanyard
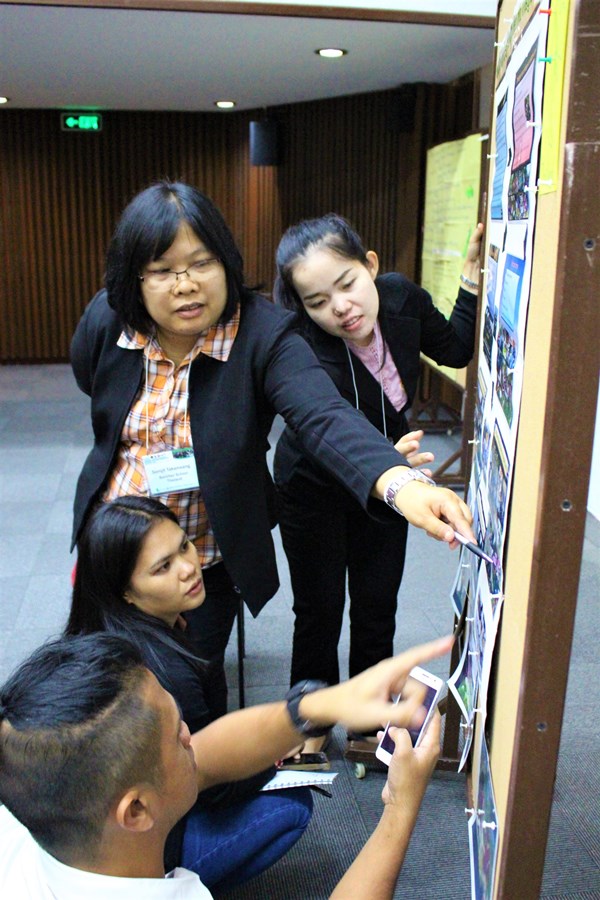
x: 379, y: 365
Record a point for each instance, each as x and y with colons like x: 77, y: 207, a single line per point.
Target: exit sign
x: 80, y: 121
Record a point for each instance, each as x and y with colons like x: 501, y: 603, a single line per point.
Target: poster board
x: 452, y: 190
x: 538, y: 366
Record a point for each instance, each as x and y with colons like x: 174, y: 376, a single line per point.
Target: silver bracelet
x: 468, y: 282
x: 396, y: 484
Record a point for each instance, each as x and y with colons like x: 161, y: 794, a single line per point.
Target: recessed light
x: 4, y: 99
x: 225, y: 104
x: 331, y: 52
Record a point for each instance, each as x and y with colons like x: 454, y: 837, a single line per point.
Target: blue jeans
x: 228, y: 845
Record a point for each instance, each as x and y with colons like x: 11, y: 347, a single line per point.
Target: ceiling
x: 69, y: 57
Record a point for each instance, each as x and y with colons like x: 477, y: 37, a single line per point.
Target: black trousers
x: 327, y: 535
x: 209, y: 628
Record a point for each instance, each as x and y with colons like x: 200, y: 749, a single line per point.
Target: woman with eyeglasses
x: 186, y: 368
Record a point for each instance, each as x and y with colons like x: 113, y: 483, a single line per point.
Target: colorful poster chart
x: 477, y: 594
x: 451, y: 207
x: 483, y: 831
x: 501, y: 159
x: 470, y: 680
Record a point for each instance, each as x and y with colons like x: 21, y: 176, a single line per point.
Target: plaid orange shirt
x: 158, y: 421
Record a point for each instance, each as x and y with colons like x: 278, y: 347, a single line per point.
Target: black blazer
x: 271, y: 369
x: 410, y: 325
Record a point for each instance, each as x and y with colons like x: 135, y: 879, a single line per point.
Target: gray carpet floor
x: 44, y: 437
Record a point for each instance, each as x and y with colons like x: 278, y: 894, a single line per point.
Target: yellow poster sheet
x: 451, y: 206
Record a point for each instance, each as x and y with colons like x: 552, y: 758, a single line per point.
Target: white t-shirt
x: 29, y: 873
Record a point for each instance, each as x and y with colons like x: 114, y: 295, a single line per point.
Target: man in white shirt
x: 96, y: 767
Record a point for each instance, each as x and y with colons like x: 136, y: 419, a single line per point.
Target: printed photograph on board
x: 507, y: 342
x: 523, y: 126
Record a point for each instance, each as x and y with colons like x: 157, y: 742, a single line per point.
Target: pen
x: 473, y: 547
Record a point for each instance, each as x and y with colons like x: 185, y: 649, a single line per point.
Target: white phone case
x: 434, y: 685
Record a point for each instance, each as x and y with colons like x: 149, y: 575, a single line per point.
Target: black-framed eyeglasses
x: 166, y: 279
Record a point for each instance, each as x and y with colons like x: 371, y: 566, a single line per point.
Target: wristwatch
x: 389, y: 495
x: 293, y: 698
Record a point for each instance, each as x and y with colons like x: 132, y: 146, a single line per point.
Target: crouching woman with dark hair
x: 137, y: 576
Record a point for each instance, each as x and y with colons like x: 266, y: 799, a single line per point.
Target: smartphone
x: 434, y: 686
x: 307, y: 762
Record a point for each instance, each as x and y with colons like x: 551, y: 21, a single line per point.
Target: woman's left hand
x: 409, y: 446
x: 472, y: 264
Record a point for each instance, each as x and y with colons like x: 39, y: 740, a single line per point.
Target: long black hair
x: 147, y: 228
x: 107, y: 553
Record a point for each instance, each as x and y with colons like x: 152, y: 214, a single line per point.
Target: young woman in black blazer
x: 368, y: 332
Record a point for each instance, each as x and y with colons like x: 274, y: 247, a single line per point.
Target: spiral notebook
x: 290, y: 779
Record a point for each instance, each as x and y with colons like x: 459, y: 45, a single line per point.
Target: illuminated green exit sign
x: 76, y: 121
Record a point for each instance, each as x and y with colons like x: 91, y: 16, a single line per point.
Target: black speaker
x: 265, y: 143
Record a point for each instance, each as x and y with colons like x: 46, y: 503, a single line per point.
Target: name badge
x: 171, y: 471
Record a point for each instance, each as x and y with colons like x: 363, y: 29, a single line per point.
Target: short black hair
x: 147, y: 228
x: 75, y: 733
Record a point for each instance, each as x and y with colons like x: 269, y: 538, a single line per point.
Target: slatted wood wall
x: 61, y: 193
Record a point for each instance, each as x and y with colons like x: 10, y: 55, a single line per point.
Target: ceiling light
x: 225, y: 104
x: 4, y: 99
x: 331, y: 52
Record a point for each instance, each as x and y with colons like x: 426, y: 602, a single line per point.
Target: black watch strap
x: 293, y: 698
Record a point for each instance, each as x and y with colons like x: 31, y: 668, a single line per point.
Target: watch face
x: 294, y: 696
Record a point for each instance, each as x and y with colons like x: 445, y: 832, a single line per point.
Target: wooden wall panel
x: 62, y: 192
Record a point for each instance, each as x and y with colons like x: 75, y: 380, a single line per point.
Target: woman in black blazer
x: 186, y: 369
x: 368, y: 332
